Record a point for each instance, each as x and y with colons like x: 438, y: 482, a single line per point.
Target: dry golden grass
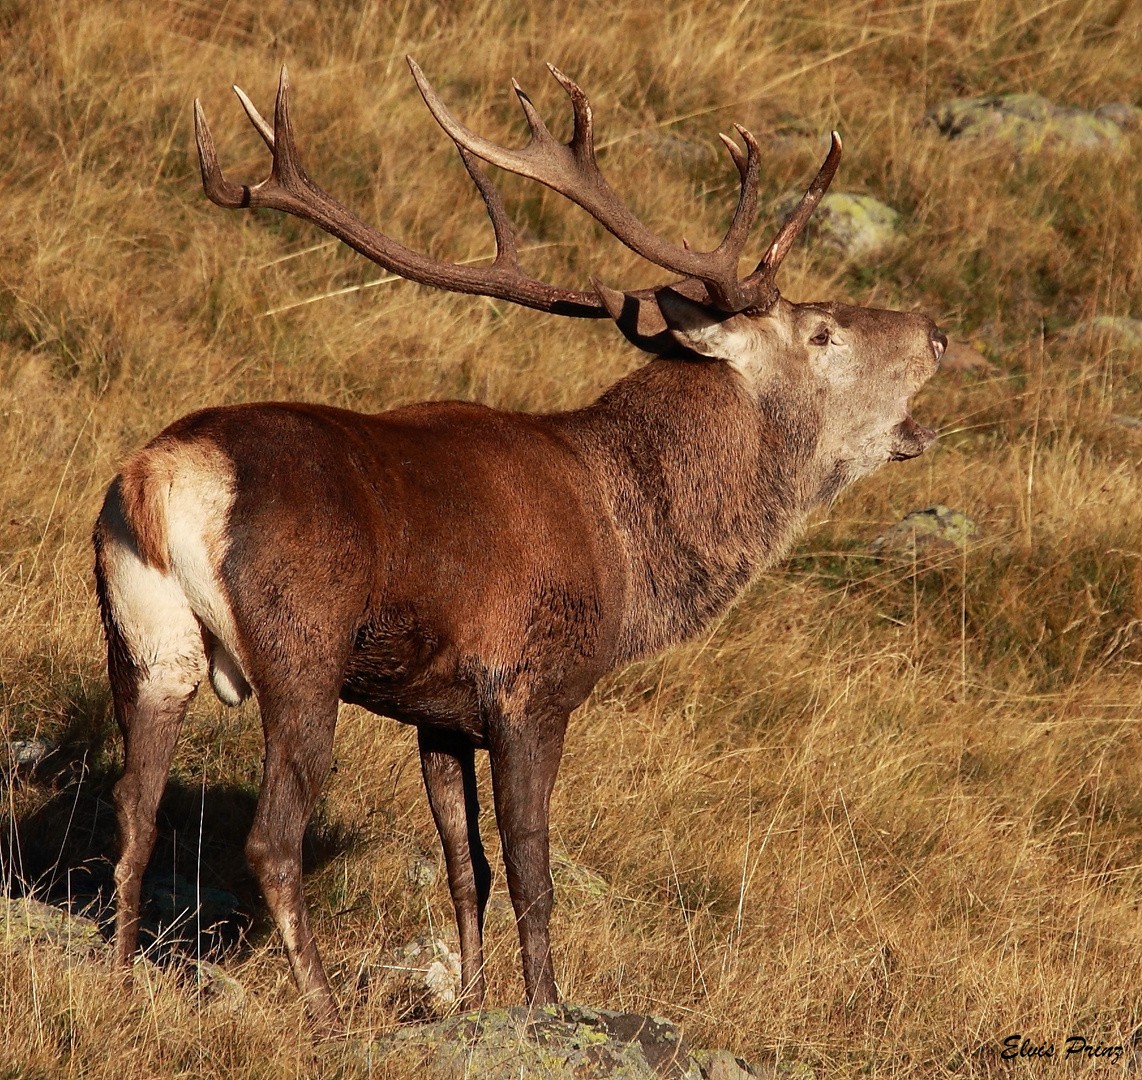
x: 884, y: 815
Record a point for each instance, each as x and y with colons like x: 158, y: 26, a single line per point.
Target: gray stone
x: 553, y: 1042
x: 1126, y: 116
x: 1026, y: 122
x: 220, y: 991
x: 421, y: 872
x: 676, y: 150
x: 25, y: 922
x: 26, y: 753
x: 852, y: 225
x: 934, y: 528
x: 423, y: 979
x: 177, y: 901
x: 1116, y: 330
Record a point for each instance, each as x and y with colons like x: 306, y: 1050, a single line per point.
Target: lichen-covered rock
x: 552, y: 1042
x: 25, y: 922
x: 852, y: 225
x: 1128, y: 117
x: 220, y: 991
x: 421, y: 872
x: 1027, y: 122
x: 1117, y: 330
x: 934, y: 528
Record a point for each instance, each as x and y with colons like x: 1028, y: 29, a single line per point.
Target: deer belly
x: 415, y: 680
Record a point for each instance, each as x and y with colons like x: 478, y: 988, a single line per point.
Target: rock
x: 853, y: 225
x: 568, y: 874
x: 1134, y: 422
x: 959, y: 358
x: 934, y: 528
x: 421, y: 872
x: 424, y: 978
x: 1027, y: 122
x: 219, y: 990
x: 687, y: 153
x: 553, y: 1042
x: 27, y: 753
x: 785, y: 1070
x: 177, y: 901
x: 25, y: 922
x: 722, y: 1065
x: 1115, y: 330
x: 1128, y: 117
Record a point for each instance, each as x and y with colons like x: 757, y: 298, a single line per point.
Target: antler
x: 571, y: 169
x: 289, y: 188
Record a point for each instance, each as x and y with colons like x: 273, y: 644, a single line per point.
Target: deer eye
x: 821, y: 337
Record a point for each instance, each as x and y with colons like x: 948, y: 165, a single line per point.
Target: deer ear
x: 701, y: 328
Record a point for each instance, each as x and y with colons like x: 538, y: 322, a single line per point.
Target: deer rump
x: 470, y: 571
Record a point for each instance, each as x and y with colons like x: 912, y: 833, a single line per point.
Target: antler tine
x: 738, y: 232
x: 766, y: 270
x: 507, y: 254
x: 256, y: 118
x: 571, y: 169
x: 218, y: 189
x: 287, y: 169
x: 583, y: 136
x: 735, y: 153
x: 535, y: 125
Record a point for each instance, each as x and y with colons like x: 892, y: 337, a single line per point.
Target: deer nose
x: 939, y: 342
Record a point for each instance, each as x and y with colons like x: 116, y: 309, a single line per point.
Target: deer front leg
x: 525, y: 757
x: 299, y: 744
x: 448, y: 764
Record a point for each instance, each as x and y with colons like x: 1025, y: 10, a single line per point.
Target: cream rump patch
x: 162, y: 613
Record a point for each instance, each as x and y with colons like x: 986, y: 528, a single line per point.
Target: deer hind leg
x: 525, y: 753
x: 448, y: 764
x: 299, y: 745
x: 155, y: 659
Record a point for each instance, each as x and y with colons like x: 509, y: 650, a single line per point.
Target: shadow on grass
x: 199, y: 896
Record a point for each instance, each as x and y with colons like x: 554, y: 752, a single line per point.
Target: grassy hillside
x: 886, y: 814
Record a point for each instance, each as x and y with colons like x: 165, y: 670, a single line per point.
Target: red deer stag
x: 470, y: 571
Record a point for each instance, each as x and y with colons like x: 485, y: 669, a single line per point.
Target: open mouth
x: 911, y: 439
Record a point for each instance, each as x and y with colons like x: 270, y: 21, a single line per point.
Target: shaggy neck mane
x: 704, y: 485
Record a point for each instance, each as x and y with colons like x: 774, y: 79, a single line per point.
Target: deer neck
x: 705, y: 487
